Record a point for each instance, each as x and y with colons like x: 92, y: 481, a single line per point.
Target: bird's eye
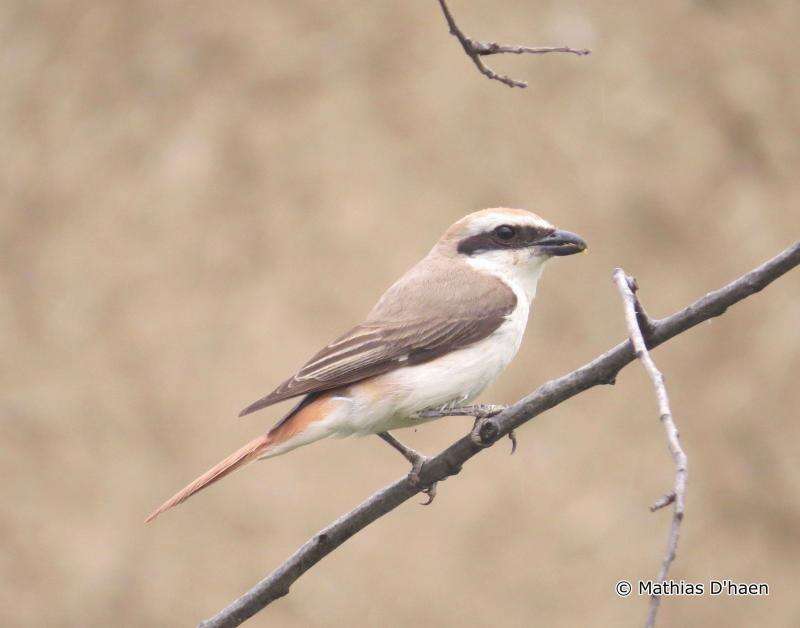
x: 505, y: 232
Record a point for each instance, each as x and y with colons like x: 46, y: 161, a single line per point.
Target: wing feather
x: 374, y: 348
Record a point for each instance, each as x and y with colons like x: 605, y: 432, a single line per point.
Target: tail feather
x: 239, y: 458
x: 289, y: 433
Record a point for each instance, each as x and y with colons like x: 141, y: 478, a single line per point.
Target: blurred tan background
x: 197, y: 195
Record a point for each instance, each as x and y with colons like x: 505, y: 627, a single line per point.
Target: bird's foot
x: 484, y: 432
x: 479, y: 411
x: 481, y: 433
x: 513, y: 438
x: 413, y: 478
x: 484, y: 410
x: 417, y: 461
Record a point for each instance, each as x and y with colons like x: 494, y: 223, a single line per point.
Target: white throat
x: 518, y: 269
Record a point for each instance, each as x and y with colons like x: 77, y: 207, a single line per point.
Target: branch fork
x: 477, y: 49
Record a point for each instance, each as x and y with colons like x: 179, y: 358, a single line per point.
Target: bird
x: 433, y: 342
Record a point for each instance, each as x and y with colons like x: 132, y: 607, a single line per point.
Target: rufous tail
x: 279, y: 439
x: 239, y: 458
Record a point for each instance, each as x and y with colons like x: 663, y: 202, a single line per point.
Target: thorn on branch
x: 661, y: 502
x: 477, y: 49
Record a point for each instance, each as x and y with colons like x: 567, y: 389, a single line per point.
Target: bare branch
x: 601, y: 370
x: 476, y: 49
x: 634, y: 316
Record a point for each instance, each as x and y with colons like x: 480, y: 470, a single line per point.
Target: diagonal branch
x: 601, y: 370
x: 637, y: 322
x: 477, y: 49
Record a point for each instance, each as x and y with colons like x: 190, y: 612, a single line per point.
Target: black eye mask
x: 503, y: 237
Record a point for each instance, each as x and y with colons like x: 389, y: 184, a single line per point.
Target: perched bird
x: 440, y: 335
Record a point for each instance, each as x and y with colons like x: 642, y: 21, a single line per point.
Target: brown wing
x: 375, y: 347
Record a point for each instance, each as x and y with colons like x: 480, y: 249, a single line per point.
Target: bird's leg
x: 416, y: 459
x: 480, y: 411
x: 413, y: 456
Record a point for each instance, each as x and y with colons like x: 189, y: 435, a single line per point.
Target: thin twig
x: 601, y: 370
x: 634, y: 314
x: 477, y: 49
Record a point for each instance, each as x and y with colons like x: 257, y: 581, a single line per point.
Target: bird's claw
x: 513, y: 438
x: 431, y: 493
x: 413, y: 477
x: 477, y: 438
x: 475, y: 434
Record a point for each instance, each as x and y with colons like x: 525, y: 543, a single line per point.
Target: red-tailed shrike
x: 440, y: 335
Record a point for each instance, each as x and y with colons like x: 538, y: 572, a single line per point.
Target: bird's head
x: 504, y: 238
x: 512, y: 244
